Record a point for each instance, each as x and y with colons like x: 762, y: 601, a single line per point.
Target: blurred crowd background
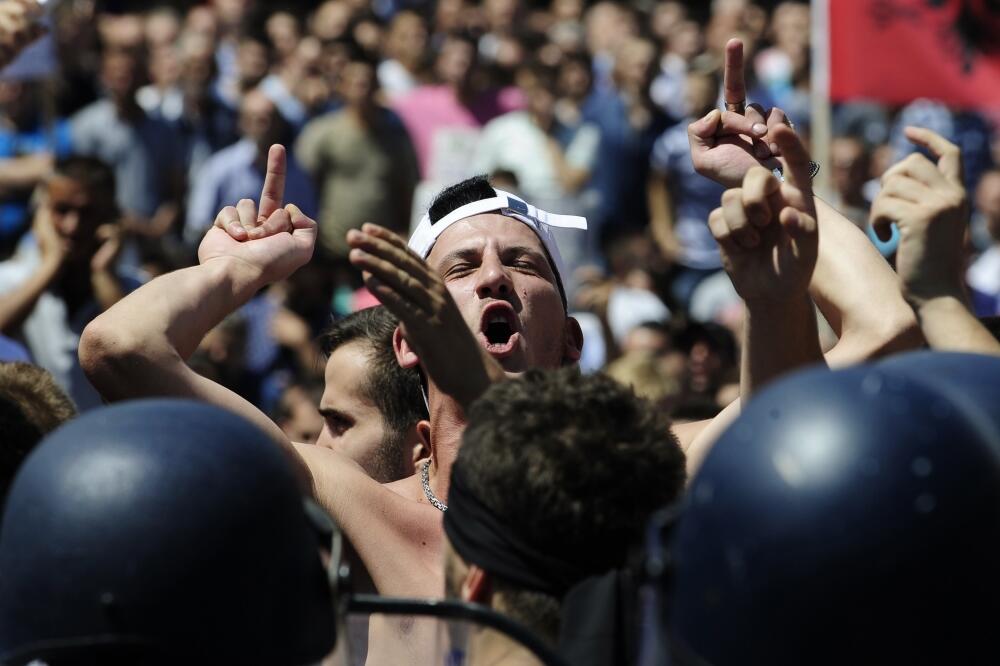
x: 579, y: 107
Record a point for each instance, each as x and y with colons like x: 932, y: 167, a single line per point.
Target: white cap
x: 427, y: 232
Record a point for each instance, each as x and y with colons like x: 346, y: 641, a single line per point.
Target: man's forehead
x: 479, y: 230
x: 63, y: 187
x: 345, y: 374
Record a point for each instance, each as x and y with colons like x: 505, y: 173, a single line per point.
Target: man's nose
x: 493, y: 280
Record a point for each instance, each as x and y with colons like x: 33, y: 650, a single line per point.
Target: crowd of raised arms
x: 469, y: 333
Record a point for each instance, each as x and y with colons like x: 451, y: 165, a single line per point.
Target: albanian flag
x: 895, y: 51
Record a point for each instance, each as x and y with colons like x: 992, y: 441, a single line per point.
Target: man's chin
x: 513, y: 365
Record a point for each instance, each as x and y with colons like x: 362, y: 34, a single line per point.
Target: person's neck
x: 462, y: 92
x: 447, y: 425
x: 410, y: 65
x: 494, y: 648
x: 544, y: 123
x: 127, y: 108
x: 362, y: 114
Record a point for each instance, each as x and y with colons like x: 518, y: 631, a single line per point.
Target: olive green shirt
x: 363, y: 174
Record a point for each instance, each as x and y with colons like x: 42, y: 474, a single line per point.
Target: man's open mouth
x: 498, y: 329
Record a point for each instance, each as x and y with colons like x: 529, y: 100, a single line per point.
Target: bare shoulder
x: 398, y: 537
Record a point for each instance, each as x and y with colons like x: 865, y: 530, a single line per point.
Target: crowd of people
x: 502, y: 279
x: 581, y: 108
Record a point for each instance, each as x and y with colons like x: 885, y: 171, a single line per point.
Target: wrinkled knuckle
x: 737, y: 223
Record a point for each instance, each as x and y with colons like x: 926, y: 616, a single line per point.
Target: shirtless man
x: 480, y: 266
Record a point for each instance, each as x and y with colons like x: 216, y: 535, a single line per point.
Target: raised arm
x: 768, y: 238
x: 139, y: 347
x: 930, y: 206
x: 858, y: 294
x: 853, y: 286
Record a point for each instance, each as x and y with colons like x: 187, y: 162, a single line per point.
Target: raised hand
x: 53, y: 248
x: 429, y: 318
x: 273, y: 241
x: 767, y: 230
x: 725, y: 145
x: 19, y: 27
x: 929, y: 205
x: 109, y: 236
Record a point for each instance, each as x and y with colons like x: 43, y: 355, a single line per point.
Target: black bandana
x: 488, y: 541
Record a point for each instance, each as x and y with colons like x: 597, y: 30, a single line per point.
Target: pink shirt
x: 428, y: 109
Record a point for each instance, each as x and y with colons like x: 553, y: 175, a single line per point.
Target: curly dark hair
x: 579, y: 462
x: 31, y: 406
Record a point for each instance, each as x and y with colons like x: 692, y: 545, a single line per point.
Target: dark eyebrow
x: 524, y: 250
x: 461, y: 254
x: 331, y: 413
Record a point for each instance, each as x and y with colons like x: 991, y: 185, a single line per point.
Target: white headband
x: 504, y: 203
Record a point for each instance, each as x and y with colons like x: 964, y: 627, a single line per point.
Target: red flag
x: 895, y: 51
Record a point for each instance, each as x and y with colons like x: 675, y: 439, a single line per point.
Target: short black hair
x: 475, y: 189
x: 578, y: 463
x: 469, y: 190
x: 95, y: 175
x: 395, y: 391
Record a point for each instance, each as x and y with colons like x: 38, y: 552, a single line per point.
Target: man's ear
x: 572, y: 341
x: 405, y: 355
x: 422, y: 447
x: 417, y: 446
x: 477, y: 586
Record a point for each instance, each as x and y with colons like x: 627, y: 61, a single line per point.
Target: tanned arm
x: 138, y: 348
x: 929, y: 204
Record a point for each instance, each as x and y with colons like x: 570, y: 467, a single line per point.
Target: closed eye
x: 459, y: 270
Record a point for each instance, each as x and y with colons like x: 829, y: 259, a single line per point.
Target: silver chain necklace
x: 425, y: 479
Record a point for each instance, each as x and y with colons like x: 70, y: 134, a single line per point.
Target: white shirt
x: 49, y: 333
x: 514, y: 143
x: 984, y: 273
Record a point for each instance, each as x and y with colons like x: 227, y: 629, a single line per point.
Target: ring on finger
x: 739, y: 107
